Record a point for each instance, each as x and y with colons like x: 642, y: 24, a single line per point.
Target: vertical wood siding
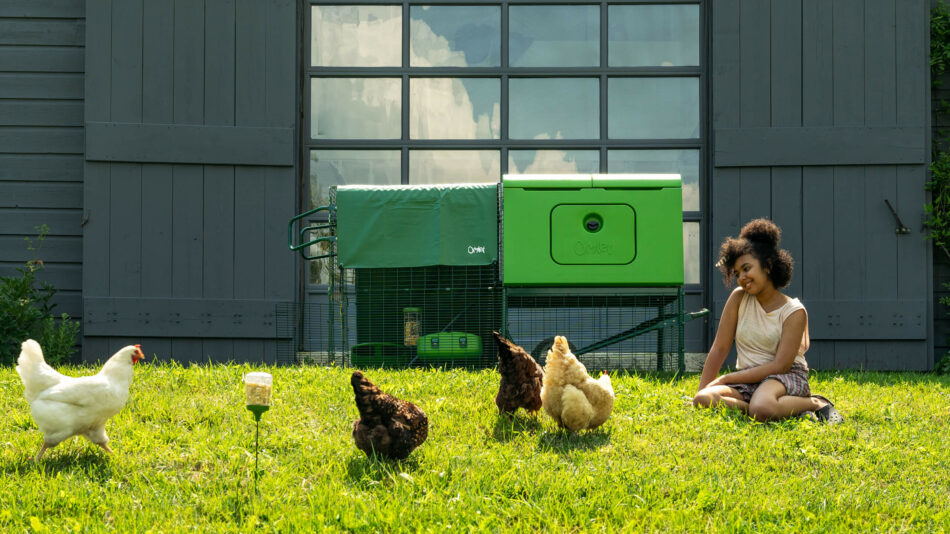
x: 41, y: 119
x: 849, y: 69
x: 192, y: 254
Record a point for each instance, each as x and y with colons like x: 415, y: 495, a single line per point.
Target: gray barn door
x: 820, y: 114
x: 189, y: 176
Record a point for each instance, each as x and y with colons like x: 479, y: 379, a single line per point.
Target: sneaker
x: 827, y: 413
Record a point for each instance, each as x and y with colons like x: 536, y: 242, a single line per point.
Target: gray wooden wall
x: 820, y: 112
x: 41, y: 140
x: 189, y: 176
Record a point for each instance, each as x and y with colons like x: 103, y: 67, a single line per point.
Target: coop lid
x: 417, y: 225
x: 580, y: 181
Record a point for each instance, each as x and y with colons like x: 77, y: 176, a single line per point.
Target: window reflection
x: 330, y: 168
x: 553, y: 161
x: 683, y: 162
x: 355, y: 108
x: 691, y: 253
x: 657, y: 35
x: 454, y: 36
x: 356, y: 36
x: 659, y: 108
x: 554, y: 108
x: 454, y: 108
x: 554, y: 36
x: 454, y: 166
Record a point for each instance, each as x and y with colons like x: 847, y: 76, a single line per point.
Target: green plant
x: 26, y: 312
x: 938, y: 209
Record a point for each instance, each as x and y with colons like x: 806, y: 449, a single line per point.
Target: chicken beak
x: 137, y: 355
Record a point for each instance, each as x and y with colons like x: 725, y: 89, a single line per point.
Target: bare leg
x: 714, y: 396
x: 40, y: 454
x: 770, y: 402
x: 105, y: 447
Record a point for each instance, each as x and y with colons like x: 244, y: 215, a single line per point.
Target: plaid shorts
x: 795, y: 382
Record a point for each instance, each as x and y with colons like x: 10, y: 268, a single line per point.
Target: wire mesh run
x: 635, y: 331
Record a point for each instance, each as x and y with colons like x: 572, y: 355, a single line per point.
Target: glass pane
x: 553, y: 161
x: 554, y: 108
x: 660, y: 35
x: 554, y: 36
x: 355, y: 108
x: 691, y: 252
x: 454, y: 36
x: 454, y: 108
x: 454, y: 166
x: 319, y: 269
x: 683, y: 162
x: 341, y: 167
x: 658, y: 108
x: 356, y: 36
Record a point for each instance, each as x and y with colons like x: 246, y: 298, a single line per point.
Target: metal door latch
x: 901, y: 229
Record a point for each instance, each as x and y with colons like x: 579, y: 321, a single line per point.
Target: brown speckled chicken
x: 388, y: 426
x: 521, y: 378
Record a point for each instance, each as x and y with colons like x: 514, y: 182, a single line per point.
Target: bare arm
x: 725, y: 335
x: 792, y: 331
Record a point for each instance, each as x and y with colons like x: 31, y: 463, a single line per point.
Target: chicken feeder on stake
x: 257, y: 390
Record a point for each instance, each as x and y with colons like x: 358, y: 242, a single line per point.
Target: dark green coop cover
x: 417, y: 225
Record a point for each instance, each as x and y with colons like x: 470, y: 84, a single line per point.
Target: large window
x: 419, y: 93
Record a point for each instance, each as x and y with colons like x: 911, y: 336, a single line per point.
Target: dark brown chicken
x: 388, y: 426
x: 521, y: 378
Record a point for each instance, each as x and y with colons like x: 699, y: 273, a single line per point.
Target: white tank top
x: 758, y: 333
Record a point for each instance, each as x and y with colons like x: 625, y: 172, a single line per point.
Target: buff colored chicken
x: 570, y: 396
x: 65, y: 406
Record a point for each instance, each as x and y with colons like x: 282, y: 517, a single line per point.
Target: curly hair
x: 760, y: 238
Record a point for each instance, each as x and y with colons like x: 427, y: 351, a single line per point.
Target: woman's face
x: 750, y: 274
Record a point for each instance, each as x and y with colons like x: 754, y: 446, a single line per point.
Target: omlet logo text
x: 592, y: 249
x: 476, y: 250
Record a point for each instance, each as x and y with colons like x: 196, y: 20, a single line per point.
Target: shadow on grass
x: 94, y: 465
x: 370, y: 470
x: 564, y: 441
x: 509, y: 427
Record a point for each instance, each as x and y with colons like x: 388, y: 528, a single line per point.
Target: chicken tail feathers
x: 36, y: 375
x: 577, y: 410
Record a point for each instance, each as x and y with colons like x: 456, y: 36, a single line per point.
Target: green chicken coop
x: 422, y: 275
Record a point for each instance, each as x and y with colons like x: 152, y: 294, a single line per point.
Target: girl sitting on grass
x: 770, y: 330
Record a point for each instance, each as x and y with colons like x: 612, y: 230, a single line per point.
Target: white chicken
x: 569, y: 395
x: 64, y: 406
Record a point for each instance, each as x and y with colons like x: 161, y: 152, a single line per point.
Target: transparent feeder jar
x: 257, y: 392
x: 411, y: 326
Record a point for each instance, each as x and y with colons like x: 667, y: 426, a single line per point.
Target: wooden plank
x: 188, y: 351
x: 786, y: 63
x: 30, y: 140
x: 45, y: 168
x: 250, y: 97
x: 98, y: 73
x: 63, y: 222
x: 41, y: 113
x: 818, y: 212
x: 42, y: 8
x: 859, y: 319
x: 912, y: 38
x: 189, y: 63
x: 914, y: 278
x: 95, y: 350
x: 219, y: 235
x: 157, y: 63
x: 820, y: 146
x: 754, y: 83
x: 280, y: 86
x: 42, y: 59
x: 818, y: 353
x: 125, y: 234
x: 249, y: 350
x: 786, y: 210
x: 157, y: 249
x: 219, y: 62
x: 896, y: 356
x: 848, y: 50
x: 61, y: 32
x: 725, y: 57
x: 95, y: 242
x: 249, y: 232
x: 43, y: 195
x: 55, y: 249
x: 126, y: 90
x: 178, y: 143
x: 156, y: 349
x: 880, y: 260
x: 279, y: 271
x: 755, y: 194
x: 187, y: 230
x: 849, y: 268
x: 725, y: 221
x: 196, y: 318
x: 63, y: 276
x: 218, y: 350
x: 41, y: 85
x: 880, y: 67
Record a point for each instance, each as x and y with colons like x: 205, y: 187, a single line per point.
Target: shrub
x: 26, y: 312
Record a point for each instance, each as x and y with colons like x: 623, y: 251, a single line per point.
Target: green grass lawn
x: 184, y: 457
